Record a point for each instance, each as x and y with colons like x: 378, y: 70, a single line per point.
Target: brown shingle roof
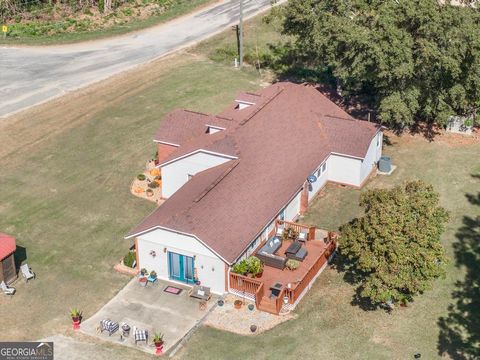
x: 288, y: 134
x: 181, y: 125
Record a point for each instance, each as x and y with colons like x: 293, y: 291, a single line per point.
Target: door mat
x: 173, y: 290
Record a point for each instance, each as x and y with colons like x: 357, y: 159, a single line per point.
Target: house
x: 8, y: 272
x: 231, y: 179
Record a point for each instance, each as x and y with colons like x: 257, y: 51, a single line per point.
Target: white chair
x: 27, y: 272
x: 7, y: 290
x: 302, y: 236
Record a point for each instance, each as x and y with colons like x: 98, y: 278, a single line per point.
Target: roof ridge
x: 260, y: 107
x: 217, y: 181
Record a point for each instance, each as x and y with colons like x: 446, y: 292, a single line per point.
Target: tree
x: 417, y: 60
x: 394, y: 249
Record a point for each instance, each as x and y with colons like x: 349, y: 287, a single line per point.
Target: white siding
x: 321, y: 181
x: 344, y: 170
x: 293, y: 208
x: 209, y: 267
x: 175, y: 175
x: 373, y: 155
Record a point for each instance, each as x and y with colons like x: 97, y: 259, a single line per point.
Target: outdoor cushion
x: 302, y: 236
x: 140, y: 335
x: 300, y: 255
x: 109, y: 326
x: 271, y: 247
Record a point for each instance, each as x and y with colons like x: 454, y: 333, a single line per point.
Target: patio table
x: 200, y: 292
x: 293, y: 248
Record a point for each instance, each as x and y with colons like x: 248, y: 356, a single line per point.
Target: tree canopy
x: 394, y: 249
x: 417, y: 60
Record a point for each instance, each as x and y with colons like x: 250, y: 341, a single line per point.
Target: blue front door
x: 180, y: 267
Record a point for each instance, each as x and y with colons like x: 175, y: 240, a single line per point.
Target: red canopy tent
x: 8, y: 246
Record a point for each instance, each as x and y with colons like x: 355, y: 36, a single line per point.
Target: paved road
x: 32, y: 75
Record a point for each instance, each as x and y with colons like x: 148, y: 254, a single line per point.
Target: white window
x: 324, y: 167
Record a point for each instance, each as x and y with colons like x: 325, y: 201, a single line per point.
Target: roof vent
x: 243, y: 104
x: 211, y: 129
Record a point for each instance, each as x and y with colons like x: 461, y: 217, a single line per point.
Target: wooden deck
x: 294, y: 282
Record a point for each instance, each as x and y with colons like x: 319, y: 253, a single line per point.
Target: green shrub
x: 240, y: 267
x: 255, y: 266
x: 251, y: 265
x: 141, y: 177
x: 129, y: 259
x: 292, y: 264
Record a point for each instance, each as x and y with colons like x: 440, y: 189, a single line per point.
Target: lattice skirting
x: 242, y: 294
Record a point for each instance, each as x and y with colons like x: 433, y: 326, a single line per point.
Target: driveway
x: 149, y: 308
x: 32, y: 75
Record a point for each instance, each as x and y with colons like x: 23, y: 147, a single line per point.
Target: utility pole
x: 240, y: 30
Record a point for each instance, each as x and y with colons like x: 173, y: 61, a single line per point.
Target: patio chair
x: 140, y: 335
x: 108, y: 325
x: 302, y: 236
x: 27, y: 272
x: 7, y: 290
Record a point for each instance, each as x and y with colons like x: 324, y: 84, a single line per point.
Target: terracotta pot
x: 237, y: 304
x: 76, y: 323
x: 149, y: 193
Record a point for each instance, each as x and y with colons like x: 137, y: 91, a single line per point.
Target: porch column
x: 304, y: 199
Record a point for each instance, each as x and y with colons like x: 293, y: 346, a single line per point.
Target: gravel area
x: 238, y: 321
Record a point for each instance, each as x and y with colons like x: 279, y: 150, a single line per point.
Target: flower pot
x: 76, y: 323
x: 237, y: 304
x: 220, y: 302
x: 259, y: 274
x: 251, y: 307
x: 253, y: 328
x: 159, y: 348
x: 149, y: 193
x: 143, y: 281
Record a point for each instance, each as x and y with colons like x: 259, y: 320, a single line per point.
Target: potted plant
x: 292, y: 264
x: 158, y: 341
x: 255, y: 266
x: 149, y: 192
x: 143, y: 281
x: 143, y: 272
x: 141, y: 177
x: 237, y: 304
x: 76, y: 318
x: 240, y: 267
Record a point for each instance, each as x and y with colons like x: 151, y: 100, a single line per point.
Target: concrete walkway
x: 32, y: 75
x: 149, y: 308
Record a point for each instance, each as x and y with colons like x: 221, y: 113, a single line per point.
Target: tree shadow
x: 342, y: 265
x: 460, y: 330
x: 19, y: 256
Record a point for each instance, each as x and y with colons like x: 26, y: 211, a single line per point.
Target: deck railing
x: 259, y: 295
x: 310, y: 230
x: 244, y: 284
x: 294, y: 293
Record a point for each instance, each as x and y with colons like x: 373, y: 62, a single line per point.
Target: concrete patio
x: 149, y: 308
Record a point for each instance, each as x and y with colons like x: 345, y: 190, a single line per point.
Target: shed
x: 8, y: 246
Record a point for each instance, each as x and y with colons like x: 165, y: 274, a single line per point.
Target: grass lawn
x: 119, y: 29
x: 66, y: 167
x: 328, y: 326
